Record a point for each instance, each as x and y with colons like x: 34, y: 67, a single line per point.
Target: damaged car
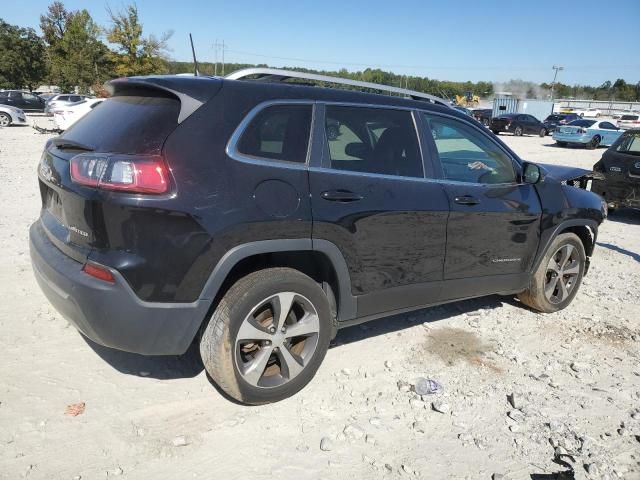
x: 617, y: 173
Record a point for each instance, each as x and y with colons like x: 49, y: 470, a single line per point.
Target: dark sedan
x: 483, y: 115
x: 555, y: 120
x: 618, y: 172
x: 25, y: 101
x: 518, y: 124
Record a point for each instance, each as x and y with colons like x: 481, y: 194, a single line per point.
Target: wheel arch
x: 319, y: 259
x: 586, y: 230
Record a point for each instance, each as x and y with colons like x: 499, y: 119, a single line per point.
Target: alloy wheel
x: 277, y: 340
x: 5, y: 121
x: 562, y: 274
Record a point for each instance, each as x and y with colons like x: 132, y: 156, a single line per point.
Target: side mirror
x: 531, y: 173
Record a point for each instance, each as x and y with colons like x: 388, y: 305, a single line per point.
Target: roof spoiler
x: 193, y: 92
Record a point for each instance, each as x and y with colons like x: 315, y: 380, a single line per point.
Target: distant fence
x: 606, y: 106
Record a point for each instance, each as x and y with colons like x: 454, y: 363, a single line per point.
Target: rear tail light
x: 99, y: 272
x: 128, y: 173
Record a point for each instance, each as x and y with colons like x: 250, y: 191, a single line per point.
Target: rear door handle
x: 466, y: 200
x: 340, y: 196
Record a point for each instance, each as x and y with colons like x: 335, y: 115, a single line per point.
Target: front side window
x: 279, y: 132
x: 608, y: 126
x: 468, y: 155
x: 372, y: 140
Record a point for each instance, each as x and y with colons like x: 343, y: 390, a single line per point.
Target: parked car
x: 11, y: 116
x: 589, y: 113
x: 518, y: 124
x: 590, y: 133
x: 553, y: 121
x: 25, y: 101
x: 216, y: 210
x: 483, y: 115
x: 62, y: 100
x: 629, y: 120
x: 64, y: 117
x: 618, y: 181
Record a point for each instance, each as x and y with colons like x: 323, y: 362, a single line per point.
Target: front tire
x: 557, y: 279
x: 543, y: 132
x: 5, y: 119
x: 268, y: 336
x: 518, y: 132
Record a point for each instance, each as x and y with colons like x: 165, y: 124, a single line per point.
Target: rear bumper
x: 111, y: 314
x: 620, y: 193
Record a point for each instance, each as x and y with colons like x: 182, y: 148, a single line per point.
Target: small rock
x: 420, y: 427
x: 367, y: 459
x: 514, y: 400
x: 622, y: 431
x: 353, y: 432
x: 578, y: 366
x: 302, y: 448
x: 417, y: 403
x: 403, y: 386
x: 326, y: 445
x: 555, y: 426
x: 592, y: 469
x: 441, y: 407
x: 346, y: 372
x: 514, y: 428
x: 388, y: 364
x: 407, y: 469
x: 115, y: 472
x: 370, y: 439
x: 516, y: 415
x: 375, y: 421
x: 77, y: 477
x: 179, y: 441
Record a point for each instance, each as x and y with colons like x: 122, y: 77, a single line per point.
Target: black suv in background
x: 257, y: 217
x: 518, y: 124
x: 483, y: 115
x: 555, y: 120
x: 25, y: 101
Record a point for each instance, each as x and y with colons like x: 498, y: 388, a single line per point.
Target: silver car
x: 11, y: 116
x: 60, y: 101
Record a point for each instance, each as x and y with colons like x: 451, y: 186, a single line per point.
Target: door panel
x: 389, y: 224
x: 493, y: 226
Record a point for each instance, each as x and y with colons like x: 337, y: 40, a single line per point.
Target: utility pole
x: 223, y: 58
x: 215, y: 56
x: 557, y: 68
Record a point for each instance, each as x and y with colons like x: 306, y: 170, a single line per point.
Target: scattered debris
x: 427, y: 386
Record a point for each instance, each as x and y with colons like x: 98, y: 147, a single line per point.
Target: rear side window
x: 127, y: 124
x: 468, y: 155
x: 629, y: 143
x: 372, y: 140
x: 279, y: 132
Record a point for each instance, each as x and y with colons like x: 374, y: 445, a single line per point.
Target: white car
x: 589, y: 113
x: 67, y: 115
x: 11, y: 116
x: 629, y: 120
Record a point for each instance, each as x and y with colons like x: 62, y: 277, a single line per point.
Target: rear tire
x: 5, y: 119
x: 543, y: 132
x: 254, y: 353
x: 558, y: 277
x: 594, y: 143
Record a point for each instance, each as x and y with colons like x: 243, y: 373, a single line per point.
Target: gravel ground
x: 520, y: 390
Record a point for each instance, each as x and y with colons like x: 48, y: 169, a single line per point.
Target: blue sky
x: 449, y: 40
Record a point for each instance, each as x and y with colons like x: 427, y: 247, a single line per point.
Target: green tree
x: 22, y: 62
x: 135, y: 54
x: 77, y: 56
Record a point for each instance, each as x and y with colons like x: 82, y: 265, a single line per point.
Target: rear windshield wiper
x: 66, y: 144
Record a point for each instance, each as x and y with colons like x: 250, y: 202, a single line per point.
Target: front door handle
x: 466, y: 200
x: 340, y: 196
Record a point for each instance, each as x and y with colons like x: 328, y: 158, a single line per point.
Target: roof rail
x: 277, y: 75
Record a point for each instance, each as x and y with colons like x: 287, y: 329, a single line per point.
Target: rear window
x: 127, y: 124
x: 582, y: 123
x: 629, y: 117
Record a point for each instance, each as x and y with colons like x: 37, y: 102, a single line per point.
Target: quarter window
x: 279, y: 132
x: 467, y: 155
x: 372, y: 140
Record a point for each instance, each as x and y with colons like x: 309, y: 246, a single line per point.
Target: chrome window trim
x: 232, y: 145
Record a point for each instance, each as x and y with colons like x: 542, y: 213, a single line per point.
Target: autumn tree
x: 135, y: 54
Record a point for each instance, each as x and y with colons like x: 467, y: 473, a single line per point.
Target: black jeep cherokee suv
x: 218, y: 210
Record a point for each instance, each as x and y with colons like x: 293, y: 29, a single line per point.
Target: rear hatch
x: 131, y: 126
x: 629, y: 121
x: 500, y: 122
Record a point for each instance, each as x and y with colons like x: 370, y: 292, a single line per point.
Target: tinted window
x: 127, y: 124
x: 63, y: 98
x: 582, y: 123
x: 373, y: 140
x: 630, y: 144
x: 15, y: 95
x: 468, y: 155
x: 608, y: 126
x: 629, y: 117
x: 280, y: 132
x: 554, y: 118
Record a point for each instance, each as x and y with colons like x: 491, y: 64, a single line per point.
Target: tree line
x: 73, y: 51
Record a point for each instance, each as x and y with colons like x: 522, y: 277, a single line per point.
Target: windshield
x: 582, y: 123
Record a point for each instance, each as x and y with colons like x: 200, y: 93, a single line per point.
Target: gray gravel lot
x: 573, y: 379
